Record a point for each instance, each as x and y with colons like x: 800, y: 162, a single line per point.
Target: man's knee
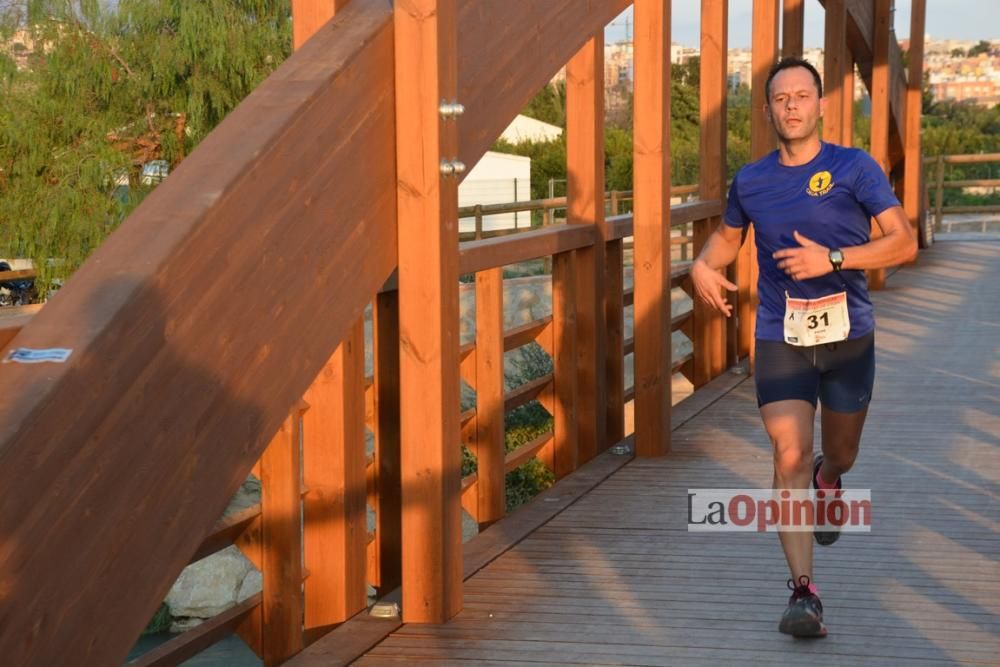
x: 791, y: 459
x: 841, y: 455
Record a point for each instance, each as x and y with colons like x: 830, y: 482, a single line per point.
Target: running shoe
x: 825, y: 537
x: 804, y: 615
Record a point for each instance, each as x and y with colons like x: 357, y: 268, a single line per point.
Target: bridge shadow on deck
x: 617, y: 579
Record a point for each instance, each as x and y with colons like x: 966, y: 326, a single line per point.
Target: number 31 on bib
x: 816, y: 321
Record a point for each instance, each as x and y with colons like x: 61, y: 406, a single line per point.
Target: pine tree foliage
x: 101, y: 90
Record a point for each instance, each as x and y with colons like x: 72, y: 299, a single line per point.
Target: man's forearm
x: 719, y: 252
x: 897, y: 245
x: 880, y: 253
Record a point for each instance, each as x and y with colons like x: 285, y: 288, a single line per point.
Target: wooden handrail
x: 558, y: 202
x: 620, y: 226
x: 939, y: 185
x: 973, y: 158
x: 974, y: 183
x: 477, y: 256
x: 22, y: 274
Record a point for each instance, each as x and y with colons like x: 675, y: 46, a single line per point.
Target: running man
x: 811, y: 204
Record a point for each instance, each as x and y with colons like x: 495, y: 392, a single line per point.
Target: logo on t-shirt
x: 820, y: 183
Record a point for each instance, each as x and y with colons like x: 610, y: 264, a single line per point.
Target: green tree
x: 982, y: 47
x: 549, y: 104
x: 106, y: 90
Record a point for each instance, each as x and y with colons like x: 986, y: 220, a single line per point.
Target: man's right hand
x: 710, y: 286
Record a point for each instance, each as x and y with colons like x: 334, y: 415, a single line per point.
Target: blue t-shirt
x: 831, y: 200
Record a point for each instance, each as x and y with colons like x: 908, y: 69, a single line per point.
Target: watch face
x: 836, y: 257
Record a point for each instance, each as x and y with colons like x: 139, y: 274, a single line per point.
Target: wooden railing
x: 937, y: 184
x: 168, y: 351
x: 614, y: 203
x: 270, y: 533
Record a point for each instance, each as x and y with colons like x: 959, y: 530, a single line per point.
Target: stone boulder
x: 212, y: 585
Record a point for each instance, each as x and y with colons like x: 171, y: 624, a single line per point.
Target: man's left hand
x: 809, y: 261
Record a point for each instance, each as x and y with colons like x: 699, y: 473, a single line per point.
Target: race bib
x: 815, y: 321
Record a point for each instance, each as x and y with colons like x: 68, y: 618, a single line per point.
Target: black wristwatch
x: 836, y: 258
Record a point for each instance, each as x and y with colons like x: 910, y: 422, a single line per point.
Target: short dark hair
x: 786, y: 63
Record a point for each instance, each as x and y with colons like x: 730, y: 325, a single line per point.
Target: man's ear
x: 822, y: 106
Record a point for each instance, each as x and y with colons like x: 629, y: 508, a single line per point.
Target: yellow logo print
x: 820, y: 183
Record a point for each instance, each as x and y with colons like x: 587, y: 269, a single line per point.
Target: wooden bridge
x: 612, y: 577
x: 116, y: 464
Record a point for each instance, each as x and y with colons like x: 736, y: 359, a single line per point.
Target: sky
x: 946, y: 19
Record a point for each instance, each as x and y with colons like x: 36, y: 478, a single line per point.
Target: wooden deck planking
x: 616, y: 578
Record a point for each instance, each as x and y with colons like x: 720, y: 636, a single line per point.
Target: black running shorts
x: 841, y: 375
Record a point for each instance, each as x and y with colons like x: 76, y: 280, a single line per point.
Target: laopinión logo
x: 773, y: 510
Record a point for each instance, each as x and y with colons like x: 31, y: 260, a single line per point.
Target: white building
x: 523, y: 128
x: 502, y: 178
x: 498, y: 178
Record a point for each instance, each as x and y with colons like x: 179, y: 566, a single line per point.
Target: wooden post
x: 709, y: 328
x: 762, y: 142
x: 281, y: 538
x: 479, y: 221
x: 614, y: 261
x: 651, y: 176
x: 334, y: 471
x: 490, y: 396
x: 334, y: 449
x: 834, y: 66
x: 881, y: 74
x: 426, y: 145
x: 913, y: 165
x: 585, y: 206
x: 792, y: 26
x: 387, y: 503
x: 565, y: 457
x: 847, y: 99
x: 308, y: 16
x: 333, y: 454
x: 939, y: 192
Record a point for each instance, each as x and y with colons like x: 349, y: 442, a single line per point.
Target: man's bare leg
x: 841, y: 439
x: 790, y: 427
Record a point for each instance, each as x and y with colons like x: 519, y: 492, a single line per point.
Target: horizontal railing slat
x: 226, y: 531
x: 194, y: 641
x: 975, y: 183
x: 526, y: 392
x: 621, y: 226
x: 525, y: 334
x: 23, y: 274
x: 526, y: 452
x: 964, y: 159
x: 491, y: 253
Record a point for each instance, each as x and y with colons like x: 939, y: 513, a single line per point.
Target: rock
x: 246, y: 496
x: 210, y: 586
x: 469, y: 527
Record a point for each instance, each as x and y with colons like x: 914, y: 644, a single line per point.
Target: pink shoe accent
x: 823, y: 484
